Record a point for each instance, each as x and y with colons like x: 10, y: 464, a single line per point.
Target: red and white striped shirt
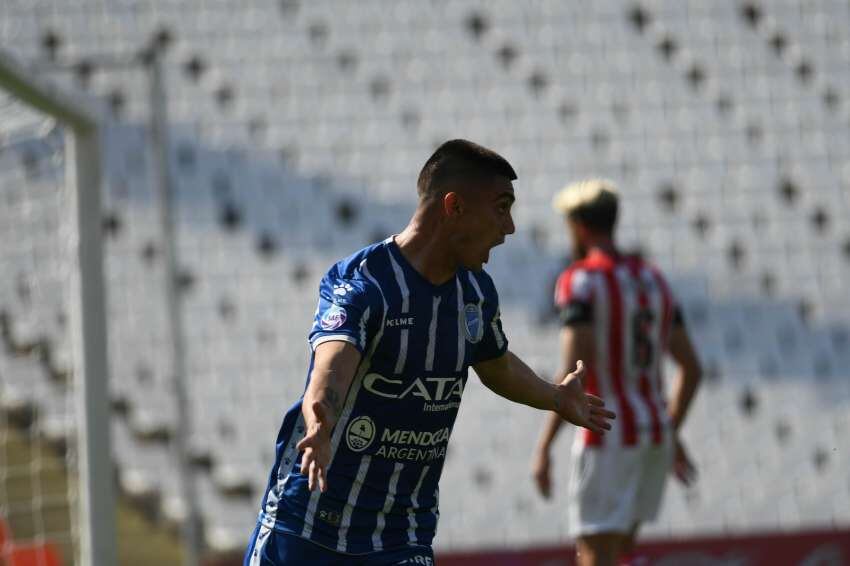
x: 631, y: 309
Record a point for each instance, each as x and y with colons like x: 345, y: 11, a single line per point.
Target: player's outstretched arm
x: 509, y: 377
x: 334, y: 365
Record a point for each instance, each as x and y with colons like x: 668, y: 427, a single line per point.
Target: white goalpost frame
x: 97, y: 545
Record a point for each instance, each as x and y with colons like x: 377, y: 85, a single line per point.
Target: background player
x: 397, y: 326
x: 618, y: 315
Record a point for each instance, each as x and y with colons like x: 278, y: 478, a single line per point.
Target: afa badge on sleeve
x: 333, y: 318
x: 472, y: 321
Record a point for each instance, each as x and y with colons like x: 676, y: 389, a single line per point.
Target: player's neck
x: 425, y: 252
x: 604, y: 245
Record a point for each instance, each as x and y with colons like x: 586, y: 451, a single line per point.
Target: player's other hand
x: 316, y: 448
x: 683, y: 467
x: 540, y: 471
x: 580, y: 408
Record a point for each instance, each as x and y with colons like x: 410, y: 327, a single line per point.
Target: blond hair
x: 593, y: 202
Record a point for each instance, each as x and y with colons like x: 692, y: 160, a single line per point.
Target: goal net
x: 52, y: 347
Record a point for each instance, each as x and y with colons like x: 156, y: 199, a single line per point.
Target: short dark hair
x: 460, y: 160
x: 599, y: 216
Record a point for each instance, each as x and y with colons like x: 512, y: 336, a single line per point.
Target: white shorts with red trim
x: 611, y: 488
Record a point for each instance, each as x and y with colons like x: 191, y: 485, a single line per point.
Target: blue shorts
x: 272, y: 548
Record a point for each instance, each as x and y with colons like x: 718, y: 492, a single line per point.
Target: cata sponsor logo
x: 427, y: 388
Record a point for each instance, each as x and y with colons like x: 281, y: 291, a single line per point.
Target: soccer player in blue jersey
x: 359, y: 456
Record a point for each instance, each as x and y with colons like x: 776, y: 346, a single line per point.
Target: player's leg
x: 601, y: 549
x: 628, y: 546
x: 657, y: 461
x: 602, y: 490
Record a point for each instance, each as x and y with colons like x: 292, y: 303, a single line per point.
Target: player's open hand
x: 683, y: 466
x: 316, y: 446
x: 580, y: 408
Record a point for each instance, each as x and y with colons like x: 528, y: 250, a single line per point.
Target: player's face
x: 484, y: 222
x: 578, y: 234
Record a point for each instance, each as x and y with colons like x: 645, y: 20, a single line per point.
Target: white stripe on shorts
x: 263, y: 536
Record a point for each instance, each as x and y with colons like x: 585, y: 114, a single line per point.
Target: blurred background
x: 245, y: 146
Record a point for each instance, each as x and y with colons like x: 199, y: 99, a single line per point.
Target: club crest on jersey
x: 333, y: 318
x: 360, y: 434
x: 472, y: 322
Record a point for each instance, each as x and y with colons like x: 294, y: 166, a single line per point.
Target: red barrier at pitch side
x: 823, y: 548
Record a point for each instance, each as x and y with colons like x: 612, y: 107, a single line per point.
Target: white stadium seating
x: 298, y: 131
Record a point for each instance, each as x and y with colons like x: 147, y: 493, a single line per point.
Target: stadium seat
x: 295, y: 141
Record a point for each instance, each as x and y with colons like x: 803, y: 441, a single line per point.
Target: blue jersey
x: 389, y: 444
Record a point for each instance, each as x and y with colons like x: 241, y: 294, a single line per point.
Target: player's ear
x: 452, y: 204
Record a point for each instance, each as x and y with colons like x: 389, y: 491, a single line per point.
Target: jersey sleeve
x: 574, y: 297
x: 347, y: 312
x: 493, y: 343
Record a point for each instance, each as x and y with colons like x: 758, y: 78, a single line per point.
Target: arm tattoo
x: 331, y: 401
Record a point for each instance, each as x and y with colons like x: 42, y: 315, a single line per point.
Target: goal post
x: 95, y: 507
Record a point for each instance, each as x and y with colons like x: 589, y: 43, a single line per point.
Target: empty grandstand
x: 297, y: 130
